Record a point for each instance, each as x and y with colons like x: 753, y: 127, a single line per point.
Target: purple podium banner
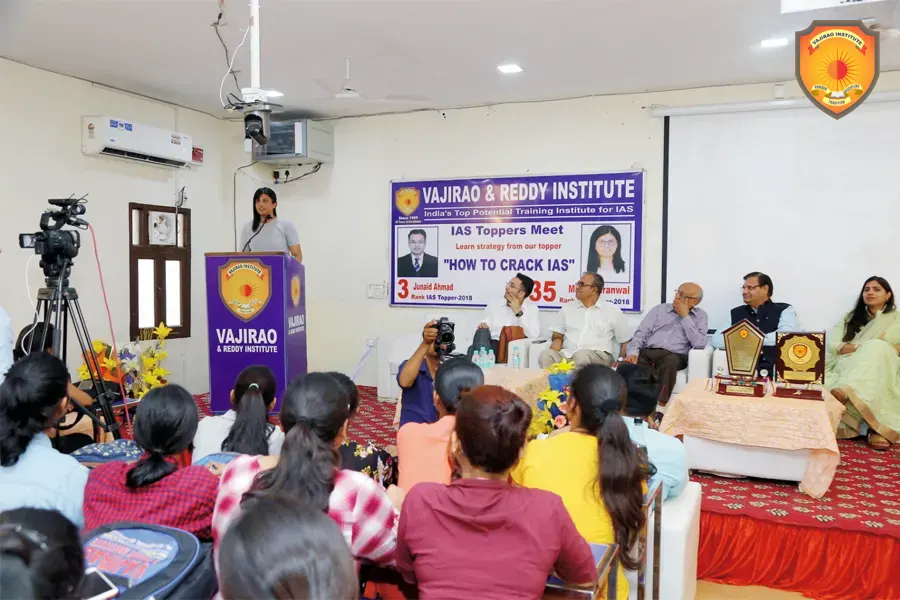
x: 256, y: 312
x: 456, y: 242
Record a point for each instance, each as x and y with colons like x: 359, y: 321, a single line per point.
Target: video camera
x: 56, y: 247
x: 445, y: 343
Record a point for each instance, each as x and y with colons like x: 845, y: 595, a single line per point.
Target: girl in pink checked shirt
x: 314, y: 416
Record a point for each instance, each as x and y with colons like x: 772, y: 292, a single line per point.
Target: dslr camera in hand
x: 445, y: 343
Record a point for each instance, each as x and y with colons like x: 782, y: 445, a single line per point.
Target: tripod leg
x: 87, y: 349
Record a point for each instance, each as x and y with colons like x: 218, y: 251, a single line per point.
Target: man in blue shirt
x: 6, y: 344
x: 665, y: 452
x: 416, y: 379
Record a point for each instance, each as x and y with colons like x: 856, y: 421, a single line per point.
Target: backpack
x: 152, y: 561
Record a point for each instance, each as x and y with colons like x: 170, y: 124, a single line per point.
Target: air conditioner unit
x: 118, y: 138
x: 297, y: 142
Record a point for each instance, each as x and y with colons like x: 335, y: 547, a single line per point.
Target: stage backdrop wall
x: 342, y: 214
x: 42, y: 159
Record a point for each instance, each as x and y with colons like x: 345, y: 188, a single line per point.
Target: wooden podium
x: 256, y: 314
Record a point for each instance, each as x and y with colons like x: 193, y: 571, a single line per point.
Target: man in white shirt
x: 511, y: 311
x: 585, y: 328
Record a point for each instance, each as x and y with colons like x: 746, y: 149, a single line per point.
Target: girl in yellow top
x: 594, y: 468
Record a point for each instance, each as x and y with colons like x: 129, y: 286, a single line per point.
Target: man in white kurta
x: 585, y: 329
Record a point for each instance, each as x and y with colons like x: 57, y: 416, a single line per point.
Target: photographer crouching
x: 416, y: 375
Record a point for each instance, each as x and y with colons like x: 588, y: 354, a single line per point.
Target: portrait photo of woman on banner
x: 608, y: 251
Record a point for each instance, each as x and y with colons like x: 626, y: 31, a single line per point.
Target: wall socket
x: 377, y: 291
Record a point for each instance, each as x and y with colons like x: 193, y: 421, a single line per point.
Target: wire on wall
x: 234, y: 200
x: 312, y: 171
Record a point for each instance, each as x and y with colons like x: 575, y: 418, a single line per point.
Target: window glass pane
x: 135, y: 227
x: 146, y: 293
x: 173, y: 293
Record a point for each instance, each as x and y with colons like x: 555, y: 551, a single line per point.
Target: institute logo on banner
x: 295, y: 290
x: 245, y: 287
x: 837, y: 64
x: 407, y: 200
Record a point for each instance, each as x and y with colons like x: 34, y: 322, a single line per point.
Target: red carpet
x: 843, y: 546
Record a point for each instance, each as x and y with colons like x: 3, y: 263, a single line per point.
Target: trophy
x: 800, y: 364
x: 743, y: 343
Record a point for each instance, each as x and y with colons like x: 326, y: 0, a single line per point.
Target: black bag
x: 152, y: 561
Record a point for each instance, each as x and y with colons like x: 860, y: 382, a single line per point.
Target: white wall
x: 343, y: 212
x: 41, y: 158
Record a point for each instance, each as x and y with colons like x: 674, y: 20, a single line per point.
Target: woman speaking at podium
x: 268, y: 233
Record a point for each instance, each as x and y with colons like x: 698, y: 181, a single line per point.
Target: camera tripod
x: 57, y: 303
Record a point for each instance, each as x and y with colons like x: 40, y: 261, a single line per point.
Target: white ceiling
x: 446, y: 50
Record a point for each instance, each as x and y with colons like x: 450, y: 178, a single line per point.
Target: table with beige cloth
x: 769, y: 422
x: 527, y: 384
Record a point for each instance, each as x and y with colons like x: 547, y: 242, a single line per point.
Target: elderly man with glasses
x: 511, y: 311
x: 585, y: 328
x: 666, y: 335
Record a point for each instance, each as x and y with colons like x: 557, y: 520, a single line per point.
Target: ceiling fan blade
x: 407, y: 98
x: 323, y: 83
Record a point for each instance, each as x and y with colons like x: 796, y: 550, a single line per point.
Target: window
x: 160, y: 274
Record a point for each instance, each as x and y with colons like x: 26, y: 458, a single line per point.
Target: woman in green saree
x: 862, y: 366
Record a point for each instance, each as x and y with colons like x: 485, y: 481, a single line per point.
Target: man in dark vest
x: 758, y: 308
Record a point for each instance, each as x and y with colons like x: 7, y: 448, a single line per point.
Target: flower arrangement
x: 550, y: 413
x: 139, y: 366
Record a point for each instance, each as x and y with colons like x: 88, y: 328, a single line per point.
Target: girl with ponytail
x: 33, y: 400
x: 246, y: 428
x: 314, y: 415
x: 161, y: 488
x: 594, y: 467
x: 40, y: 555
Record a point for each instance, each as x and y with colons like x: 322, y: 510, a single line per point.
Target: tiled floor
x: 717, y: 591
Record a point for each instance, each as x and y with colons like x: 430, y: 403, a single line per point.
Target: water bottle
x: 491, y: 359
x: 482, y: 358
x: 517, y: 359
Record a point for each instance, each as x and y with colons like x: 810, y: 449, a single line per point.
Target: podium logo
x: 245, y: 287
x: 837, y: 64
x: 407, y: 200
x: 295, y: 290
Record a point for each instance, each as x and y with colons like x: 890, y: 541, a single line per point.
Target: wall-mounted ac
x: 119, y: 138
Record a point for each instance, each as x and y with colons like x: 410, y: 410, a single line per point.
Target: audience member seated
x: 664, y: 452
x: 6, y: 343
x: 585, y: 328
x: 666, y: 335
x: 161, y: 488
x: 480, y: 536
x: 33, y: 474
x: 279, y: 549
x: 416, y: 379
x: 512, y: 311
x: 758, y: 308
x: 314, y: 415
x: 862, y: 366
x: 245, y: 429
x: 368, y: 459
x: 594, y: 467
x: 40, y: 556
x: 423, y: 447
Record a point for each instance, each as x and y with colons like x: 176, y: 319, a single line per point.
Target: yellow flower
x: 148, y: 362
x: 84, y: 373
x: 564, y: 366
x: 152, y: 380
x: 161, y: 355
x: 162, y: 332
x: 109, y: 363
x: 139, y: 393
x: 160, y: 372
x: 99, y: 347
x: 549, y: 396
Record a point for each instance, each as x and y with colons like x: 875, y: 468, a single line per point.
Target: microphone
x: 263, y: 220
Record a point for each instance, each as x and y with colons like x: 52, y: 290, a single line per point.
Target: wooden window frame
x: 159, y: 255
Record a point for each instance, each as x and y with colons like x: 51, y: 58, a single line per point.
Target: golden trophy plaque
x: 800, y: 364
x: 743, y: 343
